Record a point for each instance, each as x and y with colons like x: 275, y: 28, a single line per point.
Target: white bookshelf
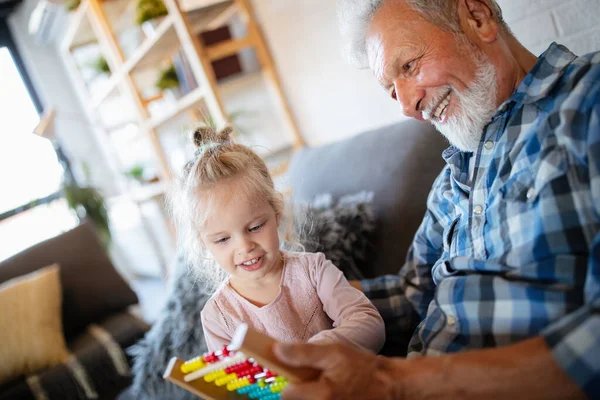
x: 107, y: 25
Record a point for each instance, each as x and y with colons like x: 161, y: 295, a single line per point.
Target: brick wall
x: 537, y: 23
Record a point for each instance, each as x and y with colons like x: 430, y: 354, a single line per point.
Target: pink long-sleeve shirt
x: 315, y: 304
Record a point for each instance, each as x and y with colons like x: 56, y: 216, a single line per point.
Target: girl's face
x: 241, y: 234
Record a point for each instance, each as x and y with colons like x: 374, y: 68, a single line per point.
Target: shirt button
x: 478, y: 210
x: 451, y: 320
x: 530, y: 193
x: 489, y: 145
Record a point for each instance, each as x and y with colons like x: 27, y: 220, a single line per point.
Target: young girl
x: 229, y: 211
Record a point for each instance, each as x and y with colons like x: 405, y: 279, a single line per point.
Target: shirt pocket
x: 450, y: 237
x: 531, y: 182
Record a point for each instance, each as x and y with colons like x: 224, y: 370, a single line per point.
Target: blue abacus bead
x: 271, y: 396
x: 259, y: 392
x: 247, y: 389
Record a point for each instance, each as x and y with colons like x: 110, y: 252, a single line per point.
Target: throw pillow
x: 343, y: 230
x: 92, y: 288
x: 31, y: 323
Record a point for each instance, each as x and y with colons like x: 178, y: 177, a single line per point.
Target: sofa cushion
x: 92, y: 288
x: 99, y: 367
x: 32, y: 335
x: 398, y: 163
x: 342, y: 230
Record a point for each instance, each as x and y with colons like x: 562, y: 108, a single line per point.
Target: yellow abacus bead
x: 225, y: 380
x: 214, y: 375
x: 261, y: 383
x: 192, y: 365
x: 278, y: 387
x: 238, y: 384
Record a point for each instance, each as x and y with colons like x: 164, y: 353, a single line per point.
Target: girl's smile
x: 241, y: 234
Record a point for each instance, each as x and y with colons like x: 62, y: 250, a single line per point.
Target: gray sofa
x: 397, y: 163
x: 94, y: 295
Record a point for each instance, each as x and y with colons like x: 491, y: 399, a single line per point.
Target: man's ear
x: 477, y: 18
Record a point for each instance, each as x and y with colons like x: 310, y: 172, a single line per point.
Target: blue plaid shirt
x: 514, y: 251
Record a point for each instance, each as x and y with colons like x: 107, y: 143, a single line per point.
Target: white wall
x: 332, y: 100
x: 537, y: 23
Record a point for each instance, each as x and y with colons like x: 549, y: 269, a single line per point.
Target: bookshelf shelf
x: 135, y: 62
x: 187, y: 102
x: 165, y: 41
x: 228, y: 48
x: 154, y: 48
x: 77, y: 24
x: 213, y: 17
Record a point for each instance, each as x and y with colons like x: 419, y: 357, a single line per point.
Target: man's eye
x: 393, y: 94
x: 408, y: 66
x: 257, y: 227
x: 221, y: 241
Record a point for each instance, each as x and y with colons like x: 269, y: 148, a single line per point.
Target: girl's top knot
x: 208, y: 138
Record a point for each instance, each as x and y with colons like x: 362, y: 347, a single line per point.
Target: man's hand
x: 523, y: 370
x: 346, y: 373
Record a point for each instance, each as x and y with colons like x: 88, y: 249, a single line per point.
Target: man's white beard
x: 473, y: 109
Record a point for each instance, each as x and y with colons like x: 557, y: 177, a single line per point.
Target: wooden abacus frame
x: 254, y: 345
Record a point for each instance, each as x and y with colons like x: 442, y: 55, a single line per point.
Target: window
x: 30, y: 172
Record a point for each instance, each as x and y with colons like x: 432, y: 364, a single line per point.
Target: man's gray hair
x: 355, y: 16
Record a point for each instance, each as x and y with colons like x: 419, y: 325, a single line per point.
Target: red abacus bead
x: 225, y: 351
x: 241, y: 373
x: 269, y: 374
x: 247, y: 364
x: 236, y: 367
x: 251, y: 380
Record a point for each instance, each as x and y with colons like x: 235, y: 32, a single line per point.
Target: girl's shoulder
x: 216, y: 302
x: 309, y: 262
x: 304, y: 257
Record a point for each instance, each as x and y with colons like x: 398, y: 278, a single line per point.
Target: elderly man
x: 506, y: 263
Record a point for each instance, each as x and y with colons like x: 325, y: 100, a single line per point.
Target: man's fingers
x: 302, y: 355
x: 307, y: 391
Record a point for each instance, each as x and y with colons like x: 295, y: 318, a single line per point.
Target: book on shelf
x: 187, y: 81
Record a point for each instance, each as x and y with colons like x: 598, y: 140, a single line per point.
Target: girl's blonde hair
x: 217, y: 159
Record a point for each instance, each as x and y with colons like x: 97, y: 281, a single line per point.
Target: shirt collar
x: 543, y: 77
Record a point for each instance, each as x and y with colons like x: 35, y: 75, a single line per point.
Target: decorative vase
x: 149, y: 27
x: 172, y: 94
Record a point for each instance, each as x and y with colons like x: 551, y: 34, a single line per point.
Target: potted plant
x: 149, y: 13
x: 168, y: 81
x: 87, y: 202
x: 100, y: 65
x: 71, y: 5
x: 136, y: 172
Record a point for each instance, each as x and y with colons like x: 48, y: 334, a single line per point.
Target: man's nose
x: 410, y: 98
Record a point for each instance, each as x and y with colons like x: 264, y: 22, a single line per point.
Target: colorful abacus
x: 232, y: 370
x: 237, y: 371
